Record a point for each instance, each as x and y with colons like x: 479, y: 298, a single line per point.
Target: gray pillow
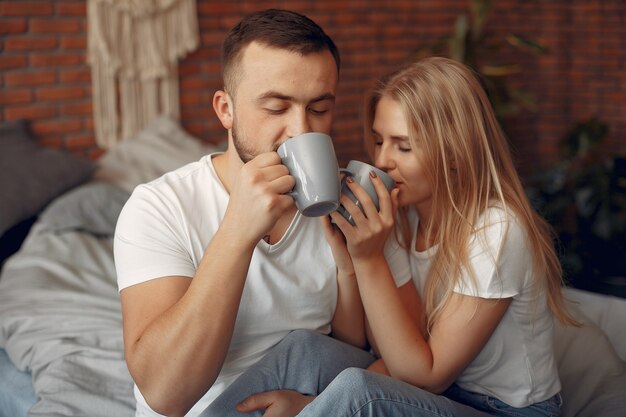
x: 32, y: 175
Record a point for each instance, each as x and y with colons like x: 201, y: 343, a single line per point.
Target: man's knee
x: 300, y: 348
x: 301, y: 336
x: 310, y: 342
x: 355, y: 380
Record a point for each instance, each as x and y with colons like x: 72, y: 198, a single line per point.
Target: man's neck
x: 227, y: 166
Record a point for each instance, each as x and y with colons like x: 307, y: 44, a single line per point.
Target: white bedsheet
x: 60, y: 314
x: 59, y: 305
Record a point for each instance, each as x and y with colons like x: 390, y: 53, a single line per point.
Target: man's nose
x: 299, y: 123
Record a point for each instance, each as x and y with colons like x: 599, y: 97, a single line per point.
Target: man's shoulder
x: 188, y: 175
x: 176, y: 196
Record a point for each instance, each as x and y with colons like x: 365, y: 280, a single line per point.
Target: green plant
x: 584, y: 198
x: 471, y: 44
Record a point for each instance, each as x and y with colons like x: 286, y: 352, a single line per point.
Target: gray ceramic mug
x: 311, y: 160
x: 360, y: 171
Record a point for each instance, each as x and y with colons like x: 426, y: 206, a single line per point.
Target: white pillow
x: 593, y: 376
x: 606, y: 311
x: 161, y: 147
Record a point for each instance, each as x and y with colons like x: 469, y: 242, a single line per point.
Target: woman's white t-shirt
x: 163, y: 230
x: 517, y: 364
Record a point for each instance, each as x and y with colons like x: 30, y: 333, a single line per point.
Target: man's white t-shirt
x: 166, y: 225
x: 517, y: 364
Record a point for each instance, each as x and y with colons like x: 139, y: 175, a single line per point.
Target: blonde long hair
x: 469, y: 166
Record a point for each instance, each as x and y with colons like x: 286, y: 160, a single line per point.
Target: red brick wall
x: 43, y: 72
x: 44, y: 76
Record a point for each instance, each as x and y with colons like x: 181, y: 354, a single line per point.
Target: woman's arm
x: 464, y: 327
x: 412, y: 302
x: 348, y: 320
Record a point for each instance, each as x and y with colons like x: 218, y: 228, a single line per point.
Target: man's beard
x: 242, y: 145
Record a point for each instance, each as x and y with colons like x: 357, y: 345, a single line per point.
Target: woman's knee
x: 343, y: 395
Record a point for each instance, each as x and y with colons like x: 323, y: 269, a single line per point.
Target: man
x: 215, y: 266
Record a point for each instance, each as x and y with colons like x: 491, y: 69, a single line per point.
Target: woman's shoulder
x: 497, y: 215
x: 502, y: 227
x: 499, y: 254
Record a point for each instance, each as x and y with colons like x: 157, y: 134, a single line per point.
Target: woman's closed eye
x: 402, y: 143
x: 398, y: 145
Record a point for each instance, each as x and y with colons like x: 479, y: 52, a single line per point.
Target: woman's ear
x: 223, y: 106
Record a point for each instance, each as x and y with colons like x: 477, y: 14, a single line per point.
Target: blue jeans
x: 312, y: 364
x: 360, y: 393
x: 548, y: 408
x: 304, y: 361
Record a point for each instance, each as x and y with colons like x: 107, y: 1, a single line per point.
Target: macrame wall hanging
x: 133, y: 50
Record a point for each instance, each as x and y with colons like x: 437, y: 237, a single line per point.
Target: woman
x: 482, y: 261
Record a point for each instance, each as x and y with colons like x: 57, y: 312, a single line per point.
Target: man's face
x: 281, y: 94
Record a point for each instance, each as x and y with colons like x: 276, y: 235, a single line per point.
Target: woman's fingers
x: 394, y: 195
x: 351, y: 206
x: 384, y: 198
x: 344, y: 226
x: 368, y: 208
x: 332, y: 232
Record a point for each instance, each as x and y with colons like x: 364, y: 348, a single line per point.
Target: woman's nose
x: 383, y: 158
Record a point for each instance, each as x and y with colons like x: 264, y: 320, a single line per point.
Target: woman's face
x: 395, y: 155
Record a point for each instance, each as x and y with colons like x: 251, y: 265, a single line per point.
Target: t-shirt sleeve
x: 398, y: 260
x: 499, y: 257
x: 147, y: 242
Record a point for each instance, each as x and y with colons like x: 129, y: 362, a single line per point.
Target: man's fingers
x: 266, y: 166
x: 283, y: 184
x: 265, y: 159
x: 273, y: 172
x: 255, y: 402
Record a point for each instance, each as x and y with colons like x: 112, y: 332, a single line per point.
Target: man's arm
x: 177, y: 330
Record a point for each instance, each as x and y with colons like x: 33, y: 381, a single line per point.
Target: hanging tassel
x: 133, y: 50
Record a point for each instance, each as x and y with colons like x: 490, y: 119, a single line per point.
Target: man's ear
x: 223, y: 106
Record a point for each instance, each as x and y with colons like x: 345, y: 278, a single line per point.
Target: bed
x: 60, y: 317
x: 61, y: 347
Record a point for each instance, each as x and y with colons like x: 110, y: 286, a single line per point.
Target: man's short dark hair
x: 277, y: 28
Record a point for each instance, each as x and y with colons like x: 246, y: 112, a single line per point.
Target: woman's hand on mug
x: 371, y: 226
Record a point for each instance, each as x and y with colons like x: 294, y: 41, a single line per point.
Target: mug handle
x: 347, y: 174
